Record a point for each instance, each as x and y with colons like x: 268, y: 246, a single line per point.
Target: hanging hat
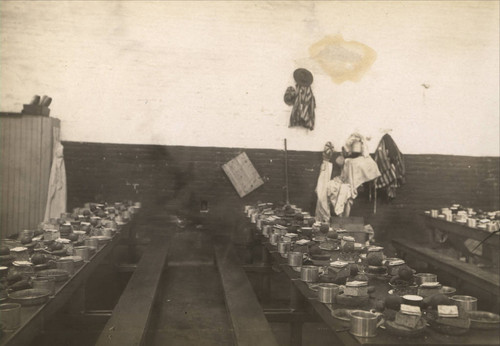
x: 290, y: 95
x: 303, y: 77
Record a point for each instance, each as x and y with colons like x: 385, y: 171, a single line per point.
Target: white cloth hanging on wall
x: 339, y: 194
x: 57, y: 194
x: 322, y: 206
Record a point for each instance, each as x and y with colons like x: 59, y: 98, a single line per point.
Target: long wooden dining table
x: 69, y: 291
x: 305, y: 298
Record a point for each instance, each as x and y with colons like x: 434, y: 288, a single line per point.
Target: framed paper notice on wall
x: 242, y: 174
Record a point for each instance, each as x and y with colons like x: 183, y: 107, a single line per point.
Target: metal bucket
x: 364, y: 324
x: 295, y: 259
x: 309, y: 273
x: 468, y: 303
x: 284, y: 247
x: 327, y: 292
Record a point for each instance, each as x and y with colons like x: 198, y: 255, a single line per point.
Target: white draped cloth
x: 322, y: 206
x: 56, y: 197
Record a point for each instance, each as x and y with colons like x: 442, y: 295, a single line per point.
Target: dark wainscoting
x: 176, y: 179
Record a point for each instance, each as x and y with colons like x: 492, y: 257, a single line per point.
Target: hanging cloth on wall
x: 56, y: 198
x: 322, y: 205
x: 303, y: 108
x: 391, y: 164
x: 302, y: 99
x: 339, y: 194
x: 358, y: 171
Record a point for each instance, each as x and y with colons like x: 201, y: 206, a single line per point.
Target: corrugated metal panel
x: 25, y: 161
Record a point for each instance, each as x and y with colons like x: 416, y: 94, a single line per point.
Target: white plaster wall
x: 214, y: 73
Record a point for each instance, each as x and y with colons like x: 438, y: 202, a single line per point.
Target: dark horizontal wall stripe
x: 177, y: 178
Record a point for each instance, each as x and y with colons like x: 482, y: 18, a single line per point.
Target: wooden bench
x: 250, y: 326
x: 129, y: 321
x: 461, y: 271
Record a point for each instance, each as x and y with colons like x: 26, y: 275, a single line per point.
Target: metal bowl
x: 58, y: 274
x: 30, y: 297
x: 449, y: 291
x: 484, y: 320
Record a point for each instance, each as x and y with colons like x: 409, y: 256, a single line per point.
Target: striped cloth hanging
x: 303, y: 108
x: 390, y: 164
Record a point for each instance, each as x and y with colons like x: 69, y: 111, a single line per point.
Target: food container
x: 484, y: 320
x: 394, y: 265
x: 24, y: 268
x: 327, y: 292
x: 107, y: 232
x: 347, y: 240
x: 30, y: 297
x: 492, y: 227
x: 51, y: 234
x: 258, y: 224
x: 284, y: 247
x: 10, y: 316
x: 356, y: 288
x: 92, y: 243
x: 462, y: 216
x: 468, y: 303
x: 412, y: 299
x: 364, y: 324
x: 45, y: 283
x: 58, y: 274
x: 421, y: 278
x: 295, y: 259
x: 309, y: 273
x: 80, y: 234
x: 83, y: 252
x: 429, y: 288
x: 95, y: 221
x: 20, y: 253
x: 471, y: 223
x: 339, y: 269
x: 274, y: 239
x: 67, y: 265
x: 447, y: 290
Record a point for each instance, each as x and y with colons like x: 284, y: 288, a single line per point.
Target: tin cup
x: 274, y: 239
x: 492, y: 227
x: 45, y: 283
x: 66, y: 264
x: 107, y: 232
x: 83, y: 252
x: 10, y: 316
x: 266, y: 231
x: 284, y: 247
x: 467, y: 303
x: 309, y: 273
x: 295, y: 259
x: 364, y: 323
x: 92, y: 243
x: 327, y: 292
x: 421, y: 278
x: 471, y: 223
